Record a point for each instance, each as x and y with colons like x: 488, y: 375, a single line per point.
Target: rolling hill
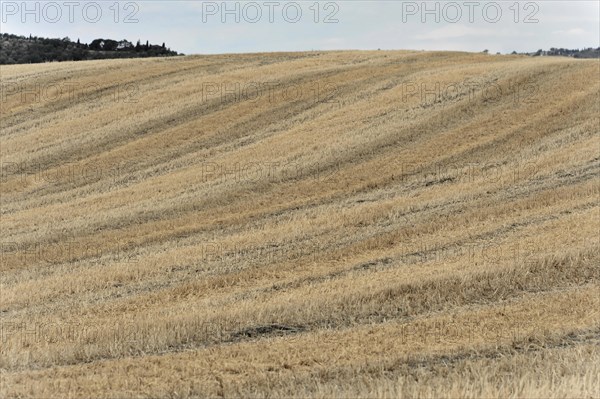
x: 355, y: 224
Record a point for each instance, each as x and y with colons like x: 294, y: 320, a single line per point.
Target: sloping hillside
x: 305, y: 224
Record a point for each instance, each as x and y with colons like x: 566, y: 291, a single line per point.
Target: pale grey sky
x: 249, y: 26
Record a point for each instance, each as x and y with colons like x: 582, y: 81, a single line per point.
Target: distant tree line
x: 583, y: 53
x: 31, y: 50
x: 589, y: 52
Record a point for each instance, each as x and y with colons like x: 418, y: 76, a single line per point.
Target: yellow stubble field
x: 323, y: 224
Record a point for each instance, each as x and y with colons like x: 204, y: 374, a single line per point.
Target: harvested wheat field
x: 322, y: 224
